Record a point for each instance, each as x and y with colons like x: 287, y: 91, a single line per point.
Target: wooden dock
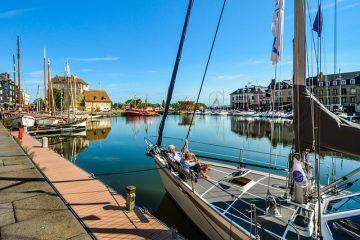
x: 100, y: 208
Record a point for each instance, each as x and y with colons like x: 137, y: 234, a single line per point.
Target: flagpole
x: 45, y: 92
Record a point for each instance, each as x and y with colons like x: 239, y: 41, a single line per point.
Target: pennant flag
x: 277, y: 28
x: 298, y: 174
x: 317, y: 26
x: 67, y: 69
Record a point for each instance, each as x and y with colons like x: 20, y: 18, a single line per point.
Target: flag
x: 298, y: 174
x: 185, y: 148
x: 67, y: 69
x: 277, y: 28
x: 317, y: 26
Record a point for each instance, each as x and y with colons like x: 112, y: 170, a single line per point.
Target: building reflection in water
x: 185, y: 120
x: 70, y: 146
x: 261, y: 128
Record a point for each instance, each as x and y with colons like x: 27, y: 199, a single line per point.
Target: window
x: 343, y: 100
x: 352, y: 81
x: 353, y: 91
x: 320, y: 84
x: 352, y: 99
x: 335, y: 100
x: 334, y: 91
x: 327, y: 83
x: 334, y: 83
x: 343, y: 91
x: 343, y: 82
x: 320, y: 92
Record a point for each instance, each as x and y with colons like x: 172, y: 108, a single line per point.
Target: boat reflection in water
x: 71, y: 146
x: 261, y: 128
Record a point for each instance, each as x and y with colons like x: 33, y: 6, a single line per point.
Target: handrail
x: 222, y: 146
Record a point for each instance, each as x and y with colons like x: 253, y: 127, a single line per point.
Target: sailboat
x: 237, y: 202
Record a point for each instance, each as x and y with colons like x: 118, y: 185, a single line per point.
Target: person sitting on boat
x: 174, y: 156
x: 191, y: 162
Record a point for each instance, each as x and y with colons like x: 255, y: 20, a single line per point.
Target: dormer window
x: 343, y: 82
x: 335, y: 83
x: 352, y: 81
x: 94, y: 98
x: 327, y: 83
x: 320, y: 84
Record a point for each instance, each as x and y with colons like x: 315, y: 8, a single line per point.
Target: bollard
x: 25, y: 130
x: 21, y: 133
x: 130, y: 197
x: 174, y: 233
x: 45, y: 142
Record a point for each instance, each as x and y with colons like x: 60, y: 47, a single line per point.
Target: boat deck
x: 101, y: 209
x: 234, y: 202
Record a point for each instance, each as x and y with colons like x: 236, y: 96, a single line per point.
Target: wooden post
x: 14, y: 78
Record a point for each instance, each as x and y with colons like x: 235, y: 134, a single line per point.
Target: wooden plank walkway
x: 100, y: 208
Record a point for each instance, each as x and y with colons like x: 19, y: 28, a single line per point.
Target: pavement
x: 29, y: 206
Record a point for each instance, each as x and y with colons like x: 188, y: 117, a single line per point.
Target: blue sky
x: 128, y: 47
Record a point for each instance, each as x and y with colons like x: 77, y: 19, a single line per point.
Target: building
x: 96, y: 100
x: 282, y: 94
x: 78, y: 86
x: 339, y: 90
x: 8, y: 91
x: 253, y: 97
x: 25, y: 97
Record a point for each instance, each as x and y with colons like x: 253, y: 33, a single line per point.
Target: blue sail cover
x: 317, y: 26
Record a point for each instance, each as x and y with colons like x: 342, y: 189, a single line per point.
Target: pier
x: 100, y: 209
x: 29, y: 207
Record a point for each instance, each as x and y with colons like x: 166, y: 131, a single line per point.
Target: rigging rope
x: 206, y: 68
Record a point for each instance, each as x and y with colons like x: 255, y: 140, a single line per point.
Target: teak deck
x: 101, y: 209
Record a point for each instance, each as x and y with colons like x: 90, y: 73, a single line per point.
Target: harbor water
x: 113, y: 149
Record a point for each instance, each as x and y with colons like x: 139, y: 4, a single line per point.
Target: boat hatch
x: 343, y: 204
x: 241, y: 181
x: 302, y: 221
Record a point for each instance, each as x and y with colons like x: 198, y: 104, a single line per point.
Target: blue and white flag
x: 67, y: 69
x: 277, y: 28
x: 298, y: 174
x: 317, y: 26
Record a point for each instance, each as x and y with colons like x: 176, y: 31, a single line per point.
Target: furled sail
x: 323, y: 129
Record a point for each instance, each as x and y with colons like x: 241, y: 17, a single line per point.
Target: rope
x: 206, y: 68
x: 126, y: 172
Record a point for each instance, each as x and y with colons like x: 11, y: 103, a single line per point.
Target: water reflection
x: 137, y: 123
x: 261, y: 128
x: 185, y: 120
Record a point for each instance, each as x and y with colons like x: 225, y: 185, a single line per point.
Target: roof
x: 96, y: 96
x: 250, y: 89
x: 61, y: 79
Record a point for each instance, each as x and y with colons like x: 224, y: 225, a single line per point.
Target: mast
x: 38, y: 99
x: 299, y: 82
x: 75, y: 101
x: 51, y: 104
x: 19, y: 79
x: 45, y: 92
x: 174, y: 73
x: 14, y: 69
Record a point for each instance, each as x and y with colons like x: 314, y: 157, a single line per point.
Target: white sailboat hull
x: 203, y: 216
x: 22, y: 121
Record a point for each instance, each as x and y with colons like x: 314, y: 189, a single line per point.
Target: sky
x: 128, y: 47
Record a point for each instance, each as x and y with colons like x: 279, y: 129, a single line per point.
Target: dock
x: 29, y: 207
x: 100, y: 209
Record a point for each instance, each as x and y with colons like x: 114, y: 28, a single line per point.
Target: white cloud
x: 15, y: 12
x: 35, y: 74
x: 229, y: 77
x: 95, y: 59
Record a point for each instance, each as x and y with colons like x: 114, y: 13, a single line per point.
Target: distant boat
x: 136, y: 112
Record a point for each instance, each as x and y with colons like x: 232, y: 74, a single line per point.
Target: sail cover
x: 324, y: 130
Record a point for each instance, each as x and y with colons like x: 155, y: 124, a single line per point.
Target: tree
x: 163, y: 103
x: 58, y: 97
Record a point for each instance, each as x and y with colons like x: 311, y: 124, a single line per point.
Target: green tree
x: 58, y: 97
x: 163, y: 103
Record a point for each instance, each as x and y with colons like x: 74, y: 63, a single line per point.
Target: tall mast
x: 45, y: 92
x: 299, y: 80
x: 51, y: 107
x: 174, y: 74
x: 75, y: 101
x: 19, y: 79
x: 14, y: 69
